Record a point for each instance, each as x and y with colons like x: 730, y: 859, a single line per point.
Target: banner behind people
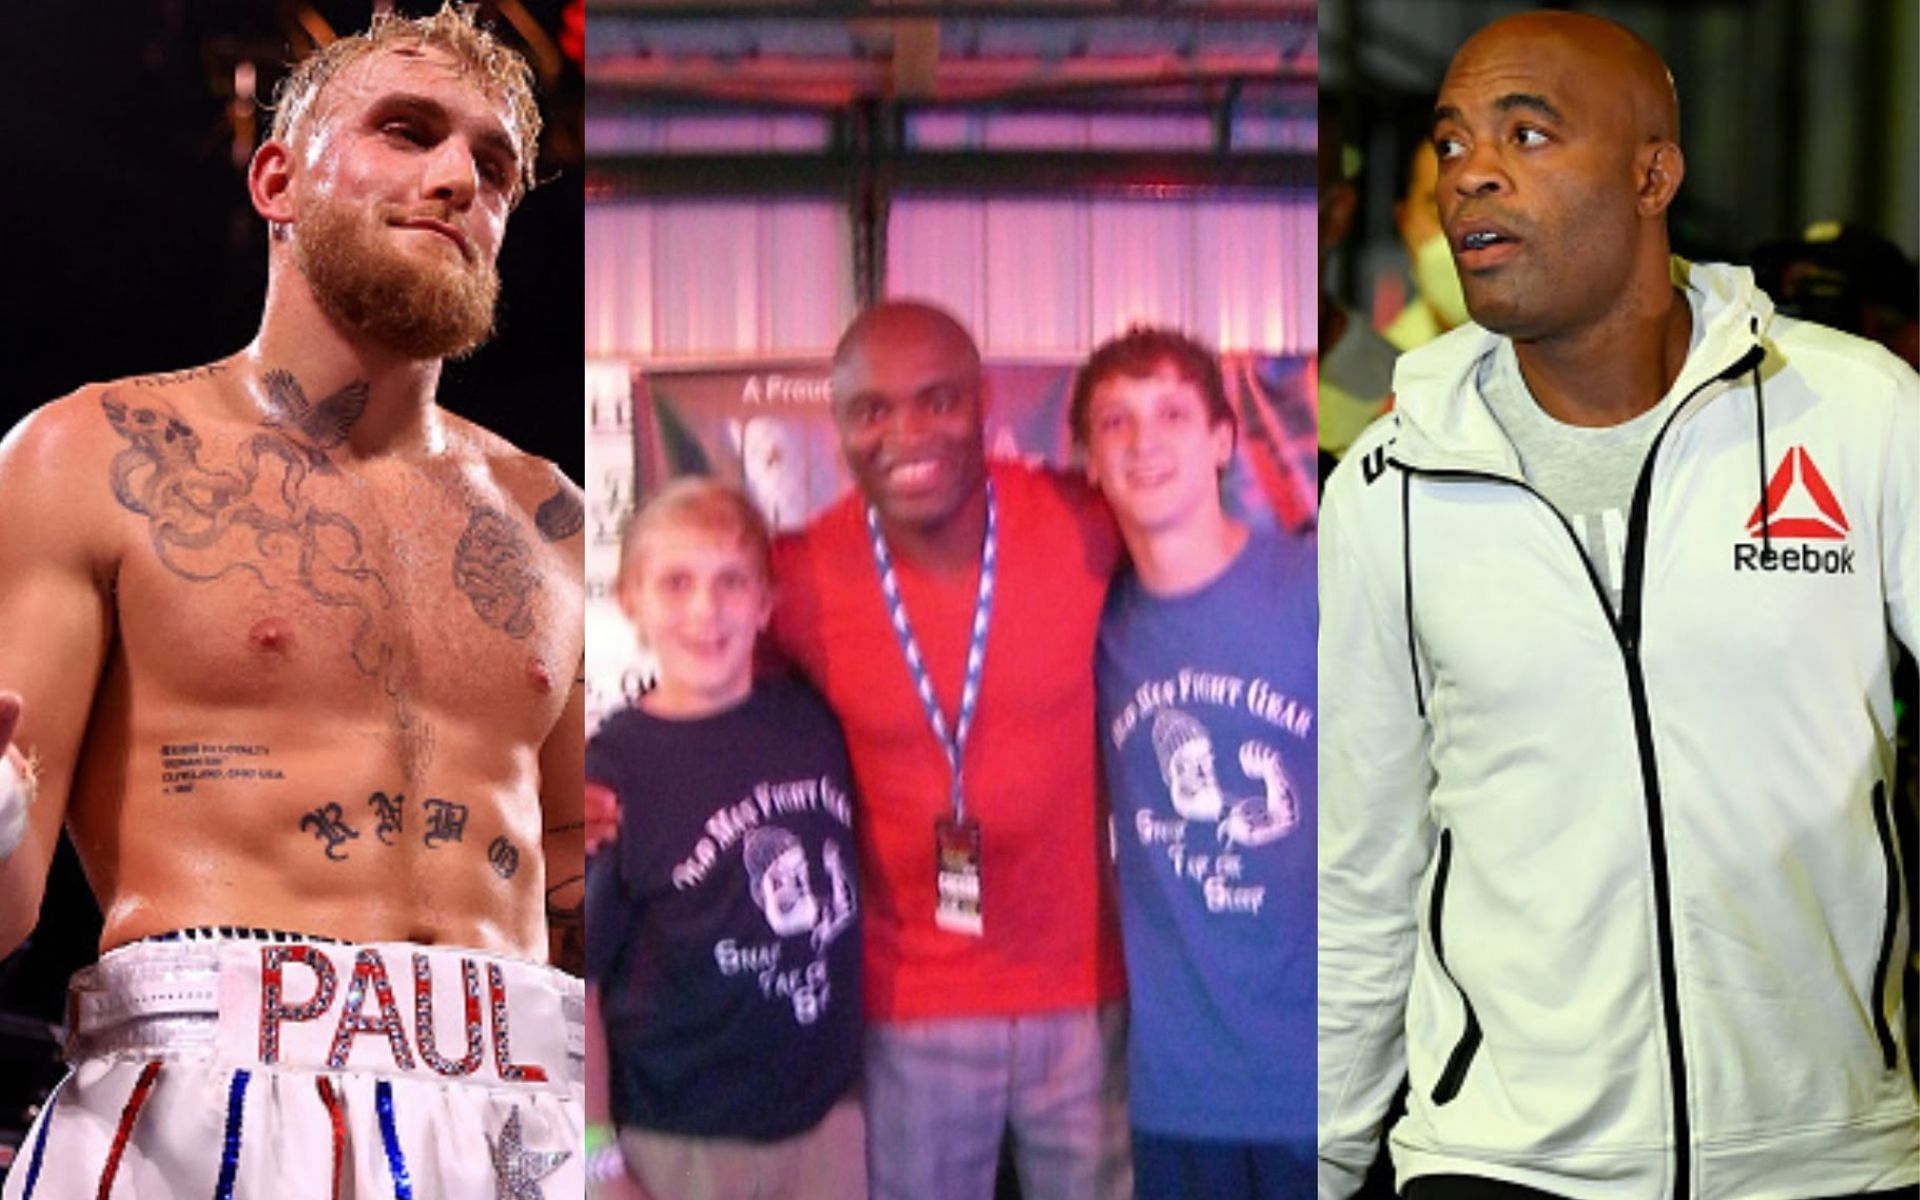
x: 767, y: 425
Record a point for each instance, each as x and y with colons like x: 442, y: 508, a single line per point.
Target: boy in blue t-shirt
x: 1206, y: 675
x: 723, y: 936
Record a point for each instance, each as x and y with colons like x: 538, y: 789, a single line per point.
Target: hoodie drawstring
x: 1760, y: 422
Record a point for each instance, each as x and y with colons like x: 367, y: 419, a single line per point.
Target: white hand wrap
x: 14, y: 794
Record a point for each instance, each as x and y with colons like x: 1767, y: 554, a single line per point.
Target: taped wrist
x: 15, y: 792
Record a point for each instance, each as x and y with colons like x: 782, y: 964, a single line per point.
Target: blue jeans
x: 942, y: 1093
x: 1175, y: 1168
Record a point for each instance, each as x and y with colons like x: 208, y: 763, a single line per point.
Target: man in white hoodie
x: 1607, y: 866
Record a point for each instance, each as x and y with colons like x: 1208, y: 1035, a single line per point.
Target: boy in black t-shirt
x: 723, y: 926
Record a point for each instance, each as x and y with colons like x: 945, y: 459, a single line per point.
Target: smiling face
x: 403, y: 175
x: 1192, y: 784
x: 697, y: 599
x: 1556, y: 164
x: 906, y: 399
x: 786, y: 894
x: 1154, y: 452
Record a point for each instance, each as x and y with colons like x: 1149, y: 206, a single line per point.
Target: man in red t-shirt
x: 947, y: 610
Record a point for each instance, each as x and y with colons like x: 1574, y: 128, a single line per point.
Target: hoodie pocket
x: 1883, y: 963
x: 1455, y: 1072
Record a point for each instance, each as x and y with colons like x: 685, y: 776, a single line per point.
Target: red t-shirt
x: 1051, y: 939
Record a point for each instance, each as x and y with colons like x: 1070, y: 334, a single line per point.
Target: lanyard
x: 953, y: 743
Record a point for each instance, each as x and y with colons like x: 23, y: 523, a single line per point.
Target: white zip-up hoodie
x: 1620, y: 896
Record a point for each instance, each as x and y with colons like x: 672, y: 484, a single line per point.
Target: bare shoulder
x: 78, y: 463
x: 58, y: 462
x: 102, y: 418
x: 533, y: 486
x: 61, y: 434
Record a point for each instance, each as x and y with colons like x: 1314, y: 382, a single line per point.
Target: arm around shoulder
x: 1101, y: 545
x: 58, y: 551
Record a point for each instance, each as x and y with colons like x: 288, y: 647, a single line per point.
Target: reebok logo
x: 1798, y: 504
x: 1806, y: 560
x: 1806, y: 511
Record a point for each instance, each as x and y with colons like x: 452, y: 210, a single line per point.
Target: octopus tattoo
x: 208, y: 522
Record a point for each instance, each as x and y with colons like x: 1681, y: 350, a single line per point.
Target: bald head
x: 905, y: 322
x: 1554, y: 133
x: 906, y: 399
x: 1610, y: 55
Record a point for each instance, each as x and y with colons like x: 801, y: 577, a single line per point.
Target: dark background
x: 130, y: 247
x: 1790, y: 113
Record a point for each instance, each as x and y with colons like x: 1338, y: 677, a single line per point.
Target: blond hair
x: 497, y: 69
x: 703, y: 503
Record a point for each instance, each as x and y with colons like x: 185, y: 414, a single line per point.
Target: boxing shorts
x: 214, y: 1063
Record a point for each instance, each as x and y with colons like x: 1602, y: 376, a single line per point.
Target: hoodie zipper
x: 1882, y: 1027
x: 1626, y: 632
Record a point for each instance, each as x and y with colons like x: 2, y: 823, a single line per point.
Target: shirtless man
x: 297, y: 650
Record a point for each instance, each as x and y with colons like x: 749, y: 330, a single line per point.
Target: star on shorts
x: 517, y: 1171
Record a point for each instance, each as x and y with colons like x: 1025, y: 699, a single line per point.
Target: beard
x: 420, y: 309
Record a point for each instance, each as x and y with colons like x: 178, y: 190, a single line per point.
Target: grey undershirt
x: 1588, y: 474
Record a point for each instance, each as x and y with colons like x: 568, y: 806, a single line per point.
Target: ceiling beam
x: 833, y: 83
x: 1092, y: 12
x: 972, y: 173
